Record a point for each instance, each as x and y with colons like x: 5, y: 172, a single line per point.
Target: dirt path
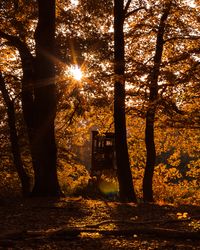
x: 77, y: 223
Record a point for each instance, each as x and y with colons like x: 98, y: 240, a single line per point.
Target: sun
x: 76, y: 72
x: 74, y: 2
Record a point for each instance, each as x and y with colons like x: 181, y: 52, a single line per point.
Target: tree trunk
x: 150, y: 115
x: 39, y: 100
x: 126, y: 190
x: 27, y: 93
x: 23, y: 176
x: 43, y: 143
x: 150, y: 157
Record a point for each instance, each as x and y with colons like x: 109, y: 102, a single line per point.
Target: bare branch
x: 134, y: 11
x: 182, y: 38
x: 127, y: 6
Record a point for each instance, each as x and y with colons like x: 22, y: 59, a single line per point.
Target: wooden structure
x: 103, y: 152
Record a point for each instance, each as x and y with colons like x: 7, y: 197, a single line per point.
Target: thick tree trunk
x: 39, y: 99
x: 23, y: 176
x: 126, y: 189
x: 43, y: 143
x: 150, y: 115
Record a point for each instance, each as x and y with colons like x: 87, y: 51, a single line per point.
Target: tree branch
x: 4, y: 91
x: 127, y: 6
x: 133, y: 11
x: 182, y: 38
x: 23, y: 49
x: 70, y: 233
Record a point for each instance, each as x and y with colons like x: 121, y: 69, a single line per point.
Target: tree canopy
x: 157, y: 75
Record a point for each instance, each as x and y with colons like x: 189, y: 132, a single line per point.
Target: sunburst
x: 76, y: 72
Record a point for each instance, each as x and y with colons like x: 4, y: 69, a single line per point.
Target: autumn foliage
x: 84, y: 39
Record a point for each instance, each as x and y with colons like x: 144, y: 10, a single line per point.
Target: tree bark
x: 126, y: 190
x: 43, y: 143
x: 23, y: 176
x: 150, y: 115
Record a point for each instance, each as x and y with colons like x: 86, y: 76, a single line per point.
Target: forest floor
x: 79, y: 223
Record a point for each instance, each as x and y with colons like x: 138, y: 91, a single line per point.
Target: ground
x: 79, y: 223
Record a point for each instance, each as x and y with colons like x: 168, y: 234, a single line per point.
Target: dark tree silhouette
x: 10, y: 109
x: 150, y: 115
x: 39, y: 99
x: 43, y: 143
x: 126, y: 189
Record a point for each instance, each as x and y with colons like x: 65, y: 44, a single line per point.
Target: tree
x: 23, y: 176
x: 126, y: 190
x: 43, y: 143
x: 169, y: 58
x: 150, y: 115
x: 39, y: 99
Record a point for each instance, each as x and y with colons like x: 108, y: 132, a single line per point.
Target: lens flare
x: 108, y: 188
